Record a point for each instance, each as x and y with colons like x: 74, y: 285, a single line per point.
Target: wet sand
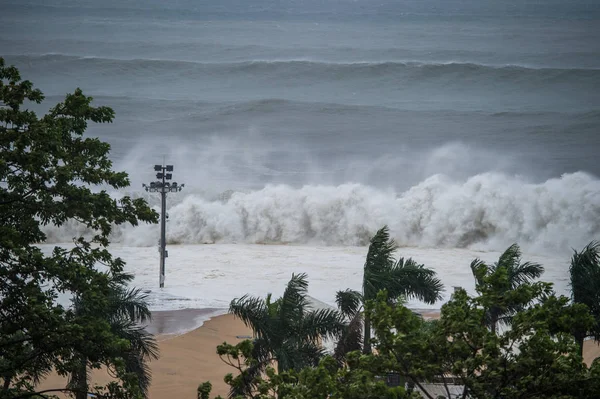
x: 188, y: 359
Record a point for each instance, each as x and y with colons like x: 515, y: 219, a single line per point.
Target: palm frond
x: 379, y: 259
x: 41, y: 365
x: 524, y: 273
x: 141, y: 341
x: 518, y: 273
x: 584, y: 272
x: 132, y: 304
x: 585, y: 282
x: 120, y: 280
x: 351, y: 339
x: 320, y: 323
x: 139, y: 366
x: 294, y: 301
x: 409, y: 279
x: 297, y: 354
x: 253, y: 312
x: 511, y: 257
x: 349, y: 302
x: 381, y: 249
x: 307, y: 354
x: 479, y: 270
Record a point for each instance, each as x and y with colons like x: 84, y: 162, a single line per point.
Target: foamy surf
x: 488, y: 211
x: 210, y: 276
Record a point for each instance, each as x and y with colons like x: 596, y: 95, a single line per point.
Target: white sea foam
x: 488, y: 212
x: 210, y: 276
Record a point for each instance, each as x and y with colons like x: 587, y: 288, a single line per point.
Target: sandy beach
x: 188, y: 359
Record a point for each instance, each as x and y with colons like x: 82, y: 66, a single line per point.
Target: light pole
x: 163, y: 187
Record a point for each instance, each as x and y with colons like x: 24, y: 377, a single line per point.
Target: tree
x: 536, y: 358
x: 51, y: 174
x: 403, y: 278
x: 517, y: 273
x: 286, y: 330
x: 126, y: 314
x: 585, y: 287
x: 359, y: 378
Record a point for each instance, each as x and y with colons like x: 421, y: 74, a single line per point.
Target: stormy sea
x: 300, y: 127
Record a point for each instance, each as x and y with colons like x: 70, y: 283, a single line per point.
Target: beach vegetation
x: 288, y: 332
x: 455, y: 356
x: 584, y: 274
x: 127, y: 314
x: 52, y: 174
x: 514, y: 273
x: 401, y: 278
x: 461, y: 354
x: 359, y: 378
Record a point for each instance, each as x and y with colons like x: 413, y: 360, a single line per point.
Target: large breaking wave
x: 406, y: 72
x: 486, y: 211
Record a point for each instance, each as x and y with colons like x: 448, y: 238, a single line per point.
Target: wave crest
x: 487, y: 211
x: 397, y: 71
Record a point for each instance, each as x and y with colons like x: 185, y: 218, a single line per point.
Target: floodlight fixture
x: 157, y: 168
x: 168, y: 176
x: 159, y: 175
x: 169, y: 168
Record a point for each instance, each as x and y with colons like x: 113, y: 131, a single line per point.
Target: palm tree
x: 126, y: 313
x: 585, y: 286
x: 402, y: 278
x: 517, y: 273
x: 286, y: 330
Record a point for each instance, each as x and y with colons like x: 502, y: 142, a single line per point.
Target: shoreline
x: 188, y: 357
x: 180, y: 321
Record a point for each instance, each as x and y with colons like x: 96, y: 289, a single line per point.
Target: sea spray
x: 486, y: 211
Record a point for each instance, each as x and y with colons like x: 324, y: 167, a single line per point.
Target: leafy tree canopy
x: 51, y: 174
x: 402, y: 278
x: 359, y: 378
x: 537, y: 357
x: 287, y: 331
x: 585, y: 287
x: 459, y: 355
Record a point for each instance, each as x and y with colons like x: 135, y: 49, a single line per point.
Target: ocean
x: 300, y: 127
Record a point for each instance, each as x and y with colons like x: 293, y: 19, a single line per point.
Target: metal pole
x: 163, y: 187
x: 163, y: 228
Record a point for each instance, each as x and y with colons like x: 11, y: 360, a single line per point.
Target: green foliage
x: 204, y: 390
x: 126, y: 311
x: 585, y: 287
x: 402, y: 278
x: 51, y: 174
x: 499, y: 282
x: 536, y: 358
x: 287, y: 331
x: 360, y: 378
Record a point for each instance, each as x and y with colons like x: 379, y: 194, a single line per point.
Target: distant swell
x: 487, y: 211
x: 405, y: 73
